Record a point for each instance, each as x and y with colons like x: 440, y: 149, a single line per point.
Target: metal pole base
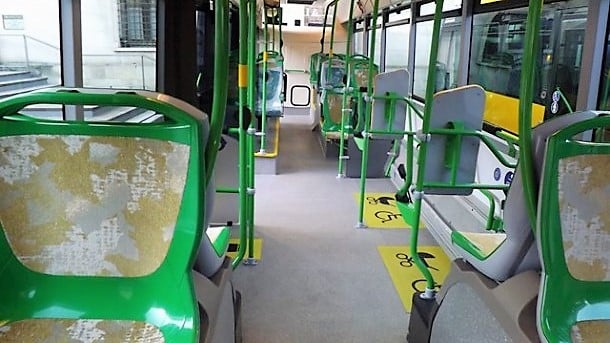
x: 341, y: 176
x: 262, y: 151
x: 428, y: 294
x: 250, y: 261
x: 361, y: 226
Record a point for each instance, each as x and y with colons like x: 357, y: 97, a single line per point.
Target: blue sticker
x: 497, y: 174
x: 508, y: 178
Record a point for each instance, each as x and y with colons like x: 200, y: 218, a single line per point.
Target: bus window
x: 30, y: 45
x: 397, y: 55
x: 497, y: 53
x: 448, y: 55
x: 359, y: 43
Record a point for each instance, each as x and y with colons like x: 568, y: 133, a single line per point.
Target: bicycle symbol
x: 387, y: 216
x: 407, y: 261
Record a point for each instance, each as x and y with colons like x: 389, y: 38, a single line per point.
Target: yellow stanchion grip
x: 265, y: 56
x: 242, y: 75
x: 330, y: 53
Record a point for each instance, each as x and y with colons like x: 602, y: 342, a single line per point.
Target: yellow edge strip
x: 276, y: 142
x: 242, y: 76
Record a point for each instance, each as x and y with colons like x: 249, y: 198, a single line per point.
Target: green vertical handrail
x: 367, y: 116
x: 423, y: 149
x: 332, y: 3
x: 606, y: 92
x: 273, y: 14
x: 526, y: 98
x: 331, y: 51
x: 280, y: 15
x: 252, y: 72
x: 242, y: 83
x: 221, y: 83
x: 264, y: 90
x: 332, y: 31
x: 346, y: 90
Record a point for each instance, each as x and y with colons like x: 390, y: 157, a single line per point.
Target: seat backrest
x: 100, y: 222
x: 573, y: 233
x: 332, y: 105
x: 465, y: 105
x: 332, y: 73
x: 359, y: 68
x: 273, y: 90
x: 394, y: 83
x: 519, y: 232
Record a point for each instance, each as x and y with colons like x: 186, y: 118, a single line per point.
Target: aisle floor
x: 320, y: 279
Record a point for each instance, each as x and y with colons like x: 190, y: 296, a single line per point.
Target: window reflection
x: 448, y: 55
x: 497, y: 53
x: 397, y: 47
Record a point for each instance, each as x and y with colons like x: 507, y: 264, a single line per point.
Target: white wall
x: 105, y: 63
x: 299, y: 44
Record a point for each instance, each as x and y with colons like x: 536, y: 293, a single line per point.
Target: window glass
x: 604, y: 96
x: 397, y: 16
x: 360, y: 25
x: 137, y: 23
x: 448, y: 55
x: 498, y: 45
x: 119, y: 59
x: 377, y: 46
x: 397, y: 55
x: 448, y: 5
x: 29, y: 45
x: 359, y: 43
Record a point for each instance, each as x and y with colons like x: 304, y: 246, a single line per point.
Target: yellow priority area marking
x: 380, y: 211
x: 406, y: 277
x: 234, y: 246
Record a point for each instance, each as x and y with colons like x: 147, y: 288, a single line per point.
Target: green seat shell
x: 161, y: 296
x: 573, y: 232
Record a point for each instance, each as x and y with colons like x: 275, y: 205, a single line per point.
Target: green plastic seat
x: 100, y: 222
x: 574, y: 238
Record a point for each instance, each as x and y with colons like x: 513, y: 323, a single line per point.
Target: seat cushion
x: 480, y: 245
x: 591, y: 331
x: 80, y: 331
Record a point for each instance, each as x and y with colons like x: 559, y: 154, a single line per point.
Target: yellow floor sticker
x: 406, y: 277
x: 258, y: 248
x: 380, y: 211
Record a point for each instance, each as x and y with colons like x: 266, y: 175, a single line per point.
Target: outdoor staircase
x: 20, y: 81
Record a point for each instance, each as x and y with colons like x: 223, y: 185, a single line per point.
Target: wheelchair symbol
x: 387, y: 216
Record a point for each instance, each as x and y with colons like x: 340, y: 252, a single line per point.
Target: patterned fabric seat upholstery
x: 95, y: 244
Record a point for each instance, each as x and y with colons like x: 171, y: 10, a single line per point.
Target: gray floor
x: 320, y: 279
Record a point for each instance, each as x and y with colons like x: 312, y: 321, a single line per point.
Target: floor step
x: 114, y: 113
x: 7, y: 93
x: 23, y: 83
x: 14, y: 75
x: 53, y: 111
x: 142, y: 117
